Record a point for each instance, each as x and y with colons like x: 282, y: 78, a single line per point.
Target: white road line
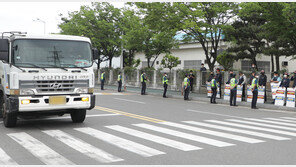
x: 185, y: 135
x: 252, y: 133
x: 292, y: 118
x: 121, y: 143
x: 6, y: 159
x: 39, y: 150
x: 214, y: 133
x: 108, y: 94
x: 263, y: 124
x: 214, y: 113
x: 272, y: 122
x: 82, y: 146
x: 154, y: 138
x: 130, y: 100
x: 254, y: 127
x: 282, y: 120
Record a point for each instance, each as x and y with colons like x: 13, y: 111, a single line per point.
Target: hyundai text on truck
x: 45, y: 75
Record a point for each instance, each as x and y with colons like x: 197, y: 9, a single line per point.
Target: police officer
x: 262, y: 82
x: 214, y: 87
x: 219, y: 79
x: 230, y: 77
x: 293, y: 78
x: 233, y: 85
x: 119, y: 80
x: 191, y: 78
x: 143, y: 82
x: 102, y: 80
x: 242, y: 82
x: 186, y: 87
x: 165, y: 84
x: 254, y: 86
x: 251, y: 78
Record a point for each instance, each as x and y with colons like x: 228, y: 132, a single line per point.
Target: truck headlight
x: 81, y: 90
x: 27, y: 92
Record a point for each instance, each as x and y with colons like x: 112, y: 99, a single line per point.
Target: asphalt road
x: 130, y: 129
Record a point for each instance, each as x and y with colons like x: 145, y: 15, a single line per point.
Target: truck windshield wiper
x: 34, y: 65
x: 75, y: 66
x: 19, y: 68
x: 57, y: 67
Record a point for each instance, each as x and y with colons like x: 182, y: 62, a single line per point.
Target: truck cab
x: 45, y: 75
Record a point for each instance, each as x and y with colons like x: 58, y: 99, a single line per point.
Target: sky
x: 19, y: 16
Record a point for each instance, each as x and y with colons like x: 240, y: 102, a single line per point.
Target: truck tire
x: 78, y: 116
x: 9, y: 119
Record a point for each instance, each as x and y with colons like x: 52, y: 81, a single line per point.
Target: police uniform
x: 214, y: 87
x: 119, y: 79
x: 255, y: 86
x: 165, y: 85
x: 233, y: 83
x: 186, y: 88
x: 102, y: 80
x: 143, y: 81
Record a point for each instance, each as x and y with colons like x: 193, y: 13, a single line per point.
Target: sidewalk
x: 196, y: 96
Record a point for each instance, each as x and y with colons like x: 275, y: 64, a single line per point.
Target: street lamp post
x: 44, y: 23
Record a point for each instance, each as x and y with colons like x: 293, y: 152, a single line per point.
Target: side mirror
x: 96, y: 54
x: 4, y: 50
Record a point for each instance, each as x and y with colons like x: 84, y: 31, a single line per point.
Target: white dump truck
x: 45, y: 75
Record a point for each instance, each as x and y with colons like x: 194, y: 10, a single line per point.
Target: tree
x: 200, y: 21
x: 169, y: 61
x: 247, y: 34
x: 226, y: 60
x: 101, y: 22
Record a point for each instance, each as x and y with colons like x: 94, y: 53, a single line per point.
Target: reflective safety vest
x: 142, y: 78
x: 102, y: 76
x: 164, y: 80
x: 119, y: 78
x: 255, y: 83
x: 232, y: 82
x: 186, y: 81
x: 214, y: 84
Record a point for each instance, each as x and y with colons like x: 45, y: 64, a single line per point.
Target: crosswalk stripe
x: 253, y: 127
x: 214, y: 133
x: 39, y: 150
x: 120, y: 142
x: 6, y: 159
x: 263, y: 135
x: 185, y: 135
x: 282, y: 120
x: 154, y: 138
x: 289, y: 118
x: 263, y: 124
x: 272, y: 122
x: 82, y: 146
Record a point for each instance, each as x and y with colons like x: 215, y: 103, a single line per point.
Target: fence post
x: 198, y: 81
x: 138, y: 78
x: 154, y: 79
x: 174, y: 86
x: 110, y: 76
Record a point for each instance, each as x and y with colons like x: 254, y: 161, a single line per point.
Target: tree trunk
x: 272, y: 63
x: 110, y: 62
x: 148, y: 63
x: 277, y: 62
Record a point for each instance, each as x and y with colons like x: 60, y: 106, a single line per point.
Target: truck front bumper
x: 42, y: 103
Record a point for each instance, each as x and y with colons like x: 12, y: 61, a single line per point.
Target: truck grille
x: 54, y: 85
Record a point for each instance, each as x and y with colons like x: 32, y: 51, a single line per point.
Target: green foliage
x: 226, y: 60
x: 101, y: 22
x: 169, y: 61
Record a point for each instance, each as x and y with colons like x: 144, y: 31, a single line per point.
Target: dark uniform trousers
x: 143, y: 91
x: 102, y: 84
x: 233, y: 97
x: 119, y: 86
x: 244, y: 92
x: 186, y: 92
x: 165, y: 86
x: 254, y: 99
x: 214, y: 94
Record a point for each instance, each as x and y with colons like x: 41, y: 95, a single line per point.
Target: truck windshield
x: 51, y: 53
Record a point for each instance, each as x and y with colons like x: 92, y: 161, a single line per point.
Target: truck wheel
x: 78, y: 116
x: 9, y: 119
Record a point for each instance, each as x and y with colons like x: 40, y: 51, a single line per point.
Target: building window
x: 262, y: 65
x: 192, y: 64
x: 157, y: 62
